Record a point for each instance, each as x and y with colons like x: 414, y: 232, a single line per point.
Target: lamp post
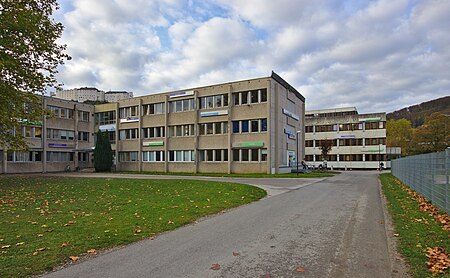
x: 296, y: 154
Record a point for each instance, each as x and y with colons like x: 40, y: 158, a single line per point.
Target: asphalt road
x: 333, y: 227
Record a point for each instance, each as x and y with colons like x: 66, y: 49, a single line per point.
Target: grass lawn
x: 46, y: 220
x: 314, y: 174
x: 416, y: 230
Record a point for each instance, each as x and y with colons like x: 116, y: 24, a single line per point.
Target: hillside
x: 417, y: 113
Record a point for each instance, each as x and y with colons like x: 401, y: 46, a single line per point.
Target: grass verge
x: 314, y: 174
x: 47, y: 221
x: 416, y: 228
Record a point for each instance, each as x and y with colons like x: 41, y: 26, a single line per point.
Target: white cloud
x: 376, y: 55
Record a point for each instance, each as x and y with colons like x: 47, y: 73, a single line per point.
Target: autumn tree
x: 29, y: 57
x: 399, y: 134
x: 433, y: 135
x: 103, y: 155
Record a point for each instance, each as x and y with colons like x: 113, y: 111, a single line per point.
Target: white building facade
x: 358, y: 141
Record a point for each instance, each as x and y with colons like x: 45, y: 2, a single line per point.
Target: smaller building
x: 115, y: 96
x: 358, y: 141
x: 60, y: 143
x: 92, y: 94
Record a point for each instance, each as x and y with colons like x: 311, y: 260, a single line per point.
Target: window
x: 309, y: 143
x: 153, y: 108
x: 182, y: 105
x: 247, y: 97
x: 83, y: 136
x: 60, y: 112
x: 83, y: 116
x: 128, y: 156
x: 153, y: 156
x: 249, y: 155
x: 125, y: 134
x: 182, y: 156
x: 309, y: 129
x: 131, y: 111
x: 32, y: 132
x: 375, y: 141
x: 219, y: 155
x: 83, y: 157
x: 181, y: 130
x: 213, y: 128
x: 60, y: 134
x: 153, y: 132
x: 375, y: 125
x: 59, y: 156
x: 245, y: 126
x: 216, y: 101
x: 105, y: 118
x: 17, y: 156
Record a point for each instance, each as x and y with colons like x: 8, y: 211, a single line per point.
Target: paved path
x: 332, y: 228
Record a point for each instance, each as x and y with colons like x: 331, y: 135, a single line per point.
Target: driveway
x: 335, y: 227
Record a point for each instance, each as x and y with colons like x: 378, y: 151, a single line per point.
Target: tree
x: 325, y: 147
x: 399, y: 134
x: 29, y: 57
x: 433, y: 135
x: 103, y: 155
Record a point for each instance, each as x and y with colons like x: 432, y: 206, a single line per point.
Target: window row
x: 31, y: 131
x: 181, y: 130
x: 220, y: 155
x: 182, y: 105
x: 153, y: 108
x: 253, y: 155
x: 216, y: 101
x: 59, y: 156
x: 131, y: 133
x: 60, y: 112
x: 247, y: 97
x: 131, y: 111
x: 215, y: 155
x: 153, y: 132
x: 246, y: 126
x: 347, y: 142
x: 60, y: 134
x: 17, y: 156
x: 348, y: 157
x: 105, y: 118
x: 213, y: 128
x: 346, y: 127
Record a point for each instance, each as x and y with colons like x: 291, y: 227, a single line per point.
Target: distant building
x: 82, y: 94
x: 92, y: 94
x: 358, y: 140
x: 115, y: 96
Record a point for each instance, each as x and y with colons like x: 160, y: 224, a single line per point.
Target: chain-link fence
x: 427, y: 174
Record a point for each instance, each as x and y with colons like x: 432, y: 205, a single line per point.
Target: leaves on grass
x: 74, y: 258
x: 439, y: 261
x: 215, y: 267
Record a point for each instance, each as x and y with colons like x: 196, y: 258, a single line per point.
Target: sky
x: 375, y: 55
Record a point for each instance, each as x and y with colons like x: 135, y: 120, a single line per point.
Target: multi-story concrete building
x: 61, y: 143
x: 247, y: 126
x: 358, y: 141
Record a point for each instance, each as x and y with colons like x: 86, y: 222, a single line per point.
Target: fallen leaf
x: 215, y: 267
x: 65, y: 244
x: 300, y: 269
x: 396, y: 234
x: 40, y: 235
x: 20, y: 243
x: 74, y: 258
x: 170, y: 222
x: 35, y: 253
x: 138, y: 231
x: 92, y: 251
x: 6, y: 246
x: 235, y: 254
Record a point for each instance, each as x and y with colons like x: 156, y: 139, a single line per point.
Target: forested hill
x: 417, y: 113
